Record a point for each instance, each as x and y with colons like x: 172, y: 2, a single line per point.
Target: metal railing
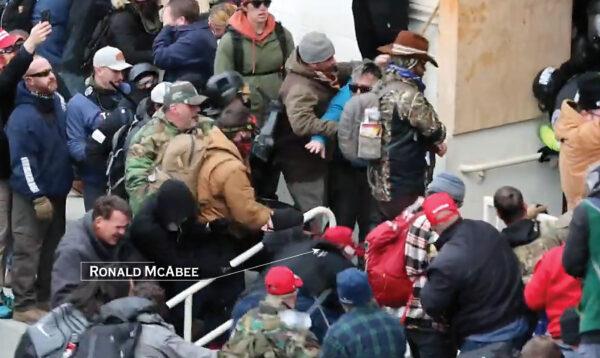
x: 481, y: 168
x: 187, y: 294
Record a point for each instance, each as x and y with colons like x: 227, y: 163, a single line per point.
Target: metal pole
x: 214, y: 333
x: 187, y: 320
x: 181, y: 296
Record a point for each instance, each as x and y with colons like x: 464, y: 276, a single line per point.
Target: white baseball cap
x: 157, y: 95
x: 110, y: 57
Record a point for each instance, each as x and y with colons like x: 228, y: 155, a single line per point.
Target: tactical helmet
x: 545, y: 87
x: 223, y: 88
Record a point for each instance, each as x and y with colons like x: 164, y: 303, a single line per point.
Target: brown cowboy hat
x: 409, y: 44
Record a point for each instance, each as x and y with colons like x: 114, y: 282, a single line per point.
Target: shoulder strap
x: 238, y: 50
x: 280, y: 33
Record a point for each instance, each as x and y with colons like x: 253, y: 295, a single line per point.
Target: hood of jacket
x: 570, y: 114
x: 521, y: 232
x: 175, y: 204
x: 239, y: 22
x: 219, y: 142
x: 43, y: 104
x: 126, y: 309
x: 50, y: 333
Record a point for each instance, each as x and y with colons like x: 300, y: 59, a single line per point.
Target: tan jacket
x: 224, y: 189
x: 580, y: 148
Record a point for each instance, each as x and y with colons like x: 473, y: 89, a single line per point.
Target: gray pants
x: 5, y: 205
x: 307, y: 194
x: 34, y: 244
x: 588, y: 350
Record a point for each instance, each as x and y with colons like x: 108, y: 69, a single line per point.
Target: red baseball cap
x: 439, y: 203
x: 342, y: 236
x: 280, y: 280
x: 6, y: 39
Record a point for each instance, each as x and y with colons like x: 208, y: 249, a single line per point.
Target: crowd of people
x: 176, y: 121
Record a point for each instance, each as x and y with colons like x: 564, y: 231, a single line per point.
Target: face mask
x: 245, y: 148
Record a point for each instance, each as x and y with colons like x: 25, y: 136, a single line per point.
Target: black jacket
x: 577, y: 248
x: 9, y: 78
x: 475, y: 281
x: 521, y: 232
x: 127, y: 33
x: 318, y: 265
x: 191, y: 246
x: 83, y: 19
x: 377, y: 23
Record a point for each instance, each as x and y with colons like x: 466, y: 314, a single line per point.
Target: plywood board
x: 492, y: 50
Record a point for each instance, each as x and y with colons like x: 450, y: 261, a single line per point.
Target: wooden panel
x: 493, y: 49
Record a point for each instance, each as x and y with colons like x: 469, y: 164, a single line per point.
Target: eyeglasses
x: 14, y: 48
x: 257, y: 3
x: 248, y: 127
x: 354, y: 88
x: 44, y: 73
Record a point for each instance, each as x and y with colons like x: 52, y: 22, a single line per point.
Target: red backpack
x: 385, y: 262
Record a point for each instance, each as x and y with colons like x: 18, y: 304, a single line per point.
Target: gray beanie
x: 315, y: 47
x: 448, y: 183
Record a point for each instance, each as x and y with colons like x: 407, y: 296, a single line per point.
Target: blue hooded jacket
x: 185, y: 49
x: 52, y: 48
x: 39, y: 156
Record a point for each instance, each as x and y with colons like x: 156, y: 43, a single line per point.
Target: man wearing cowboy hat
x: 397, y: 179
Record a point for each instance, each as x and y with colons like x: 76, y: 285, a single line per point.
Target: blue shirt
x: 335, y: 109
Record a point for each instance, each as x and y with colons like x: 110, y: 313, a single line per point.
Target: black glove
x: 286, y: 218
x: 218, y: 226
x: 547, y: 154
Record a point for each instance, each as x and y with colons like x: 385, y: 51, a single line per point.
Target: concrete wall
x: 539, y: 182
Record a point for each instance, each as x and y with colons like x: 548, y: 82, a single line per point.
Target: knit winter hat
x: 353, y: 287
x: 315, y: 47
x: 448, y: 183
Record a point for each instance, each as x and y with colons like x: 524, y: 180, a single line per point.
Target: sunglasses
x: 249, y: 127
x: 257, y: 3
x: 354, y: 88
x: 13, y: 48
x: 44, y: 73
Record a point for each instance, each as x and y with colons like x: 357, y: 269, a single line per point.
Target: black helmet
x: 221, y: 89
x: 545, y: 87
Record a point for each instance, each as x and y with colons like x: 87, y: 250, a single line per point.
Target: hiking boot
x: 29, y: 316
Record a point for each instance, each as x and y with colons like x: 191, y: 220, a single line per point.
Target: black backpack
x: 110, y: 339
x: 238, y: 51
x: 115, y: 170
x: 17, y: 15
x: 98, y: 40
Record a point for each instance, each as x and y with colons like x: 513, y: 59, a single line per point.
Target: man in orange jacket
x: 578, y: 130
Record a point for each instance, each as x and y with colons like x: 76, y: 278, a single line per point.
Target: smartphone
x: 45, y: 16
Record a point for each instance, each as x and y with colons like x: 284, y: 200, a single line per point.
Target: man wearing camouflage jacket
x: 146, y: 153
x: 411, y: 128
x: 274, y: 329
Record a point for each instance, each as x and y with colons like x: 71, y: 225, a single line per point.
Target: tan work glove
x: 43, y: 208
